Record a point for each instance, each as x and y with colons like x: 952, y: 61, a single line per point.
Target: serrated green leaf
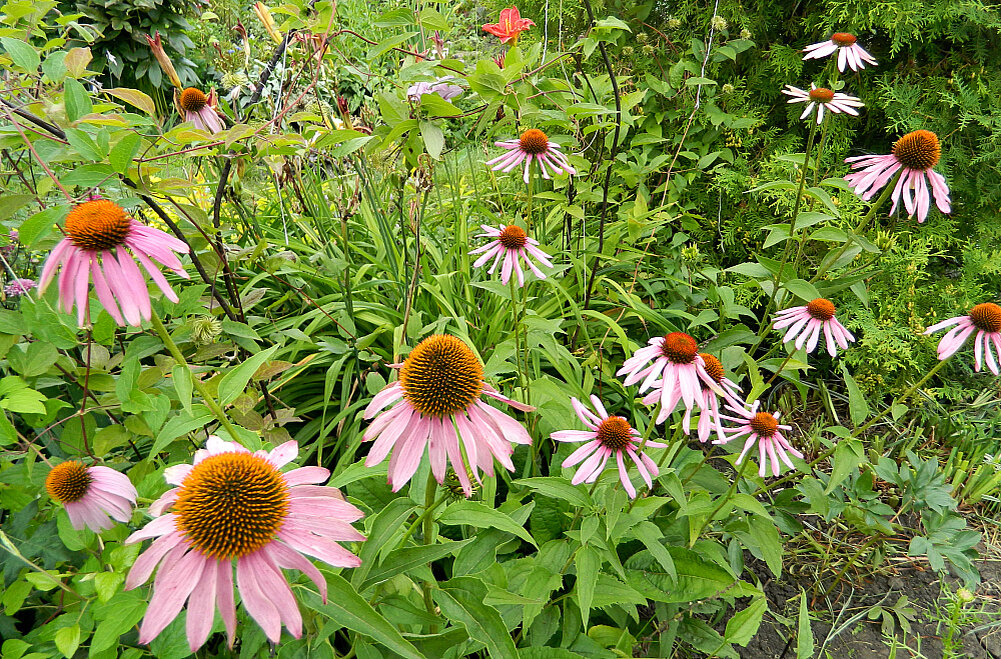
x: 123, y: 152
x: 588, y: 566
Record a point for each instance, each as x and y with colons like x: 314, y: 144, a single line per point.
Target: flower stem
x: 863, y: 223
x: 207, y: 396
x: 429, y: 504
x: 723, y: 502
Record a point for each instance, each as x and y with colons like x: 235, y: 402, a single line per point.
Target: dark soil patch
x: 864, y: 638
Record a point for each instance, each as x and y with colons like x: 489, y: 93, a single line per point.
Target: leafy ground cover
x: 561, y: 330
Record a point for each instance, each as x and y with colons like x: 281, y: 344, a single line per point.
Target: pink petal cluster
x: 762, y: 429
x: 532, y: 145
x: 109, y: 495
x: 822, y: 99
x: 606, y: 435
x: 844, y: 44
x: 985, y: 320
x: 510, y: 246
x: 806, y: 323
x: 317, y: 519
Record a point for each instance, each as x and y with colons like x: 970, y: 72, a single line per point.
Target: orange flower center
x: 615, y: 433
x: 764, y: 424
x: 231, y: 505
x: 98, y: 225
x: 843, y: 39
x: 821, y: 309
x: 513, y: 237
x: 821, y: 95
x: 986, y: 317
x: 918, y: 150
x: 193, y: 100
x: 68, y: 481
x: 714, y: 368
x: 533, y: 141
x: 441, y: 376
x: 679, y: 348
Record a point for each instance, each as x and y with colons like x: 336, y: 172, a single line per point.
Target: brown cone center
x: 843, y: 39
x: 441, y: 376
x: 821, y: 95
x: 679, y: 348
x: 919, y: 150
x: 764, y: 424
x: 68, y: 481
x: 513, y: 237
x: 986, y: 317
x: 714, y: 368
x: 533, y: 141
x: 193, y: 100
x: 615, y: 433
x: 821, y: 309
x: 98, y: 225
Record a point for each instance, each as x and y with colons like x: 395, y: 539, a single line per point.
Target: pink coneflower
x: 606, y: 435
x: 19, y: 287
x: 435, y: 404
x: 511, y: 25
x: 231, y: 504
x: 847, y: 48
x: 97, y: 235
x: 710, y: 419
x: 675, y: 373
x: 764, y: 429
x: 806, y: 323
x: 915, y: 153
x: 91, y: 494
x: 532, y: 145
x: 441, y: 86
x: 200, y: 109
x: 821, y: 97
x: 985, y: 319
x: 511, y: 245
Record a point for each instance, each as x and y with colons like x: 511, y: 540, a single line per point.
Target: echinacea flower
x: 435, y: 405
x: 91, y: 495
x: 200, y: 109
x: 985, y: 320
x: 19, y: 287
x: 440, y: 86
x: 511, y: 25
x: 229, y: 506
x: 511, y: 244
x: 156, y: 45
x: 847, y: 48
x: 915, y: 153
x: 532, y: 145
x: 97, y: 235
x: 708, y: 400
x: 821, y: 98
x: 806, y: 322
x: 675, y: 373
x: 764, y: 430
x: 606, y: 435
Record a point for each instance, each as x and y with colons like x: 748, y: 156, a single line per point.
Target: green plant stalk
x: 723, y: 502
x: 855, y: 433
x: 419, y: 522
x: 851, y: 561
x: 780, y: 368
x: 428, y: 529
x: 207, y: 396
x: 863, y: 223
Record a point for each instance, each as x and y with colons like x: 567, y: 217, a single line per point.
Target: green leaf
x: 118, y: 615
x: 858, y: 408
x: 482, y: 516
x: 77, y: 99
x: 401, y: 560
x: 40, y: 225
x: 804, y: 636
x: 122, y: 153
x: 461, y: 600
x: 434, y: 139
x: 23, y: 54
x: 83, y: 144
x: 134, y: 97
x: 697, y: 578
x: 68, y: 640
x: 558, y: 488
x: 588, y: 567
x: 183, y: 384
x: 348, y: 609
x: 234, y: 382
x: 742, y: 627
x: 802, y: 289
x: 847, y: 456
x: 384, y: 525
x: 650, y: 535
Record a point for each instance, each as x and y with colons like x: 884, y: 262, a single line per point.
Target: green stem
x: 723, y: 502
x: 781, y: 366
x: 419, y: 522
x: 207, y: 396
x: 429, y: 504
x: 828, y: 263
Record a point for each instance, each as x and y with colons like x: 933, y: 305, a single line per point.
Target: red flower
x: 510, y: 26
